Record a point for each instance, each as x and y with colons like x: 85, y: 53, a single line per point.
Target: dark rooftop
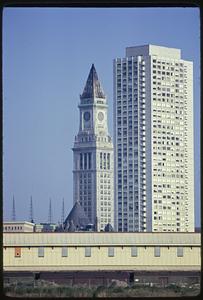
x: 76, y: 219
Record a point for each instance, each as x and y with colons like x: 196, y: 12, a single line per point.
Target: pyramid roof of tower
x: 93, y: 87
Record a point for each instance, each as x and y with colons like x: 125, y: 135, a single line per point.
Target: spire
x: 13, y: 211
x: 92, y: 88
x: 31, y: 211
x: 50, y: 216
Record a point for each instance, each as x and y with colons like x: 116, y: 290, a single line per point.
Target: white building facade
x: 102, y: 251
x: 17, y: 226
x: 93, y: 174
x: 153, y: 131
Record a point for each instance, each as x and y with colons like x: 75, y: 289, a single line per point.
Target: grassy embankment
x: 47, y: 289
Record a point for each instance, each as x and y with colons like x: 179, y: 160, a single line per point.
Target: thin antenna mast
x: 50, y: 212
x: 31, y: 211
x: 13, y: 210
x: 63, y: 213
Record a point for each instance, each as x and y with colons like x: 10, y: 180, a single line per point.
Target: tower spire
x: 93, y: 134
x: 31, y: 211
x: 13, y: 210
x: 93, y: 87
x: 50, y: 216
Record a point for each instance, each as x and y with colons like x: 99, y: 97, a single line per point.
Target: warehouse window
x: 87, y: 251
x: 41, y: 252
x: 17, y: 252
x: 133, y: 251
x: 180, y: 251
x: 111, y: 251
x: 157, y: 252
x: 64, y: 252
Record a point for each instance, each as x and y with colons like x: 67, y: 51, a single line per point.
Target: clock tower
x: 93, y: 156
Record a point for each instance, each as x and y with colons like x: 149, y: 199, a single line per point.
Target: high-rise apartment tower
x: 93, y: 174
x: 153, y: 131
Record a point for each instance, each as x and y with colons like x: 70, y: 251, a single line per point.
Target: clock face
x: 87, y: 116
x: 100, y: 116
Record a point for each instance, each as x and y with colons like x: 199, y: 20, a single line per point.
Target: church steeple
x: 93, y: 87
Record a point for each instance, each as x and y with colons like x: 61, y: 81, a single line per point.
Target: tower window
x: 104, y: 160
x: 100, y: 160
x: 89, y: 161
x: 108, y: 161
x: 85, y: 161
x: 81, y: 161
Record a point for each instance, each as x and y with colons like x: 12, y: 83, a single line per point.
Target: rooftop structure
x: 77, y: 219
x: 153, y: 50
x: 18, y: 226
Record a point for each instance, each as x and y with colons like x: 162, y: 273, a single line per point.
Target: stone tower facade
x: 93, y: 170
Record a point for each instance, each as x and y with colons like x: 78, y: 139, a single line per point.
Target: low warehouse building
x: 99, y: 251
x: 17, y: 226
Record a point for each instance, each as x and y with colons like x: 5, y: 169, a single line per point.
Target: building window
x: 104, y: 161
x: 81, y: 162
x: 101, y: 160
x: 64, y: 252
x: 157, y: 252
x: 41, y: 252
x: 133, y: 251
x: 180, y: 251
x: 108, y: 161
x: 85, y: 161
x: 89, y: 161
x: 17, y: 252
x: 87, y: 251
x: 111, y: 251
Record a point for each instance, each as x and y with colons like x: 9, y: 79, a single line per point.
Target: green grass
x: 49, y: 289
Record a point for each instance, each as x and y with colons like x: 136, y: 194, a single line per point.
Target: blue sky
x: 47, y: 55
